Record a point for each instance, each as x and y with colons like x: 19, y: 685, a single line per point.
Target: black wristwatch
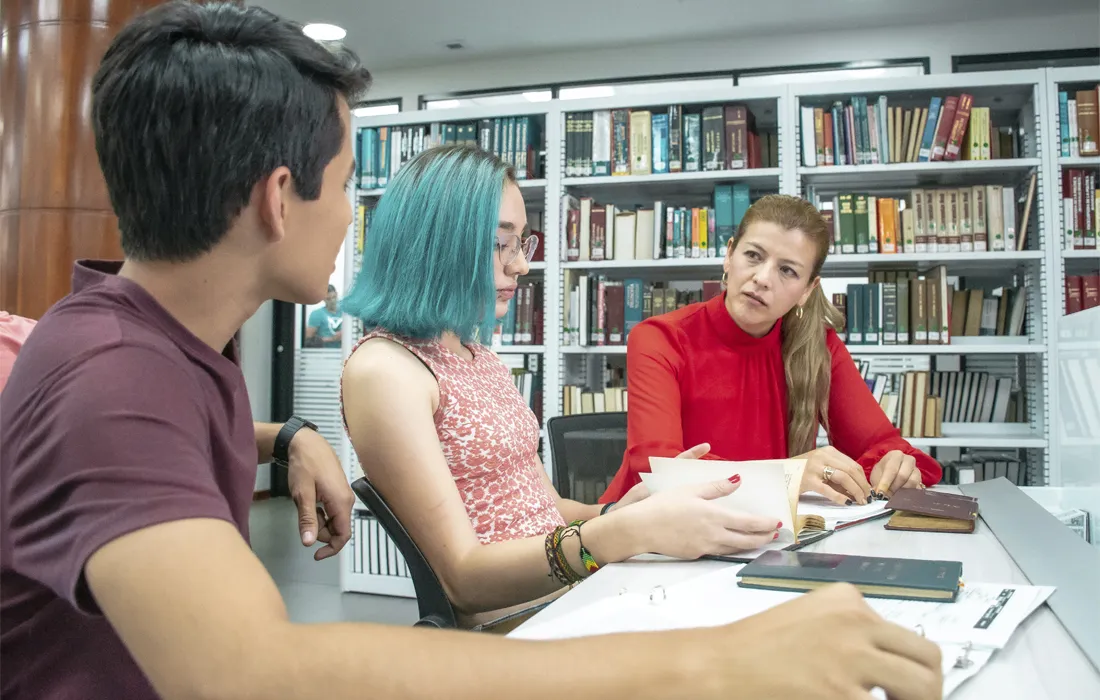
x: 280, y: 454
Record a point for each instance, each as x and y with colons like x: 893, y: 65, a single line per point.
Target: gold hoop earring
x: 800, y: 313
x: 724, y: 276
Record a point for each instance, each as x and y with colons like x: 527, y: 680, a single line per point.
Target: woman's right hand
x: 846, y: 480
x: 686, y: 523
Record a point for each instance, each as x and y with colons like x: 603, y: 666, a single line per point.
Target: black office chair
x: 586, y: 451
x: 435, y: 608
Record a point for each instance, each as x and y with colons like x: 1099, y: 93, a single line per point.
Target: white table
x: 1041, y: 661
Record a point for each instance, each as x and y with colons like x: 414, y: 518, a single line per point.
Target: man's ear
x: 275, y: 193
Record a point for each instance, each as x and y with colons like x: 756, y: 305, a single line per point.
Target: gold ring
x: 827, y: 473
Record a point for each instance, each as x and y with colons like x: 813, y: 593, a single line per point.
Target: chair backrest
x: 586, y: 451
x: 435, y: 608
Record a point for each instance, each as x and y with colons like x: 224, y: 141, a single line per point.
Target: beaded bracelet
x: 559, y: 565
x: 587, y: 559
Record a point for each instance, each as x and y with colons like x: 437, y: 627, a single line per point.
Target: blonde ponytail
x: 807, y: 363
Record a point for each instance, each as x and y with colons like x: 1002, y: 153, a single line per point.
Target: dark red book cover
x: 1074, y: 293
x: 1090, y: 299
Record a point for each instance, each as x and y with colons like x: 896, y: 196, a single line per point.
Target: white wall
x: 256, y: 340
x: 938, y: 42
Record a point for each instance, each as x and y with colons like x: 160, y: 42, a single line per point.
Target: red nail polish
x: 778, y: 525
x: 775, y: 536
x: 734, y: 479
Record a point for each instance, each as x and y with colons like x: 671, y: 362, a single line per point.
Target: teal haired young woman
x: 438, y: 424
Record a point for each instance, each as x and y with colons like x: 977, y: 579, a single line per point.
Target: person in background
x: 756, y: 370
x: 13, y: 333
x: 324, y: 326
x: 127, y: 449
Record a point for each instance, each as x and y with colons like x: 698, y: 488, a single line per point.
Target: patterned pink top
x: 489, y: 438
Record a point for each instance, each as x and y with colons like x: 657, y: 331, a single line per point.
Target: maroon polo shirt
x: 115, y: 418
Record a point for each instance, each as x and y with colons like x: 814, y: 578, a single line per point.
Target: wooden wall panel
x: 54, y: 207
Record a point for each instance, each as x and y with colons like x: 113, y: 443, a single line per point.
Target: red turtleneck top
x: 694, y: 376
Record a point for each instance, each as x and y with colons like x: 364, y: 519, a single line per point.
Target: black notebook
x: 876, y: 577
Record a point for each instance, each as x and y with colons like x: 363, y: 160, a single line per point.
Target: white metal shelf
x: 664, y: 178
x: 957, y: 263
x: 898, y: 175
x: 593, y: 349
x: 951, y: 349
x: 517, y: 349
x: 1079, y: 161
x: 646, y: 264
x: 1081, y: 254
x: 536, y: 188
x: 994, y: 442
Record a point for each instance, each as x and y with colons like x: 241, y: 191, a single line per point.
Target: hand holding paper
x: 765, y: 488
x: 687, y: 522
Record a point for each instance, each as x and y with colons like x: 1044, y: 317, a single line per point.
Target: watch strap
x: 280, y: 453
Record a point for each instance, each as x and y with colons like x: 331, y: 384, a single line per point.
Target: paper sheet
x: 762, y: 492
x: 985, y: 615
x: 757, y: 475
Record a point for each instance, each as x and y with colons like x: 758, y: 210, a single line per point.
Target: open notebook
x: 768, y: 488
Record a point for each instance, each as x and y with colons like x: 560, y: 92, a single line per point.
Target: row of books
x: 1082, y: 292
x: 985, y: 465
x: 576, y: 399
x: 1079, y: 122
x: 380, y: 152
x: 523, y: 323
x: 1080, y: 203
x: 669, y: 140
x: 967, y: 397
x: 602, y: 311
x: 898, y: 308
x: 527, y: 374
x: 871, y: 132
x: 596, y: 232
x: 980, y: 218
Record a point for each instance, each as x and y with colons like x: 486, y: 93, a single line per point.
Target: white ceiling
x: 412, y: 33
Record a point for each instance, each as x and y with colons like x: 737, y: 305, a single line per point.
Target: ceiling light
x: 443, y: 104
x: 538, y: 96
x: 324, y: 32
x: 375, y: 110
x: 580, y: 93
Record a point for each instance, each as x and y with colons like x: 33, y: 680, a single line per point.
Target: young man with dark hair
x: 127, y: 451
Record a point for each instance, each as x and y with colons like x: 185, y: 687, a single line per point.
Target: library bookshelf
x: 1024, y: 101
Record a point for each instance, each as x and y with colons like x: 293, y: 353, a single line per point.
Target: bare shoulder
x: 380, y: 366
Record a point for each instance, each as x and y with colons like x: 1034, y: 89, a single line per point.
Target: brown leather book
x: 932, y: 511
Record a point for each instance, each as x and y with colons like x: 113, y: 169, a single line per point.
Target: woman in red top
x: 755, y: 370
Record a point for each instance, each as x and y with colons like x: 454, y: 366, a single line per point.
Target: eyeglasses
x: 509, y: 248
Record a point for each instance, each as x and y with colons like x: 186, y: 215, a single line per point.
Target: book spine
x: 958, y: 128
x: 966, y: 230
x: 977, y: 218
x: 929, y: 134
x: 620, y: 125
x: 903, y: 311
x: 713, y: 137
x: 1063, y: 122
x: 660, y: 143
x: 1089, y: 236
x: 693, y: 154
x: 1088, y: 123
x: 890, y: 314
x: 675, y: 139
x: 920, y: 221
